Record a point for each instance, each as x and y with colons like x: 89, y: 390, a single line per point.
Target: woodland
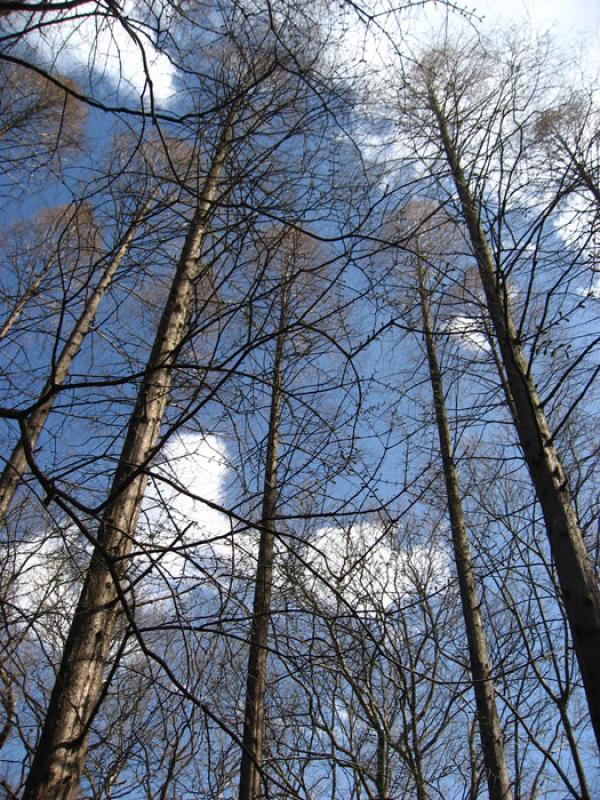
x: 299, y: 358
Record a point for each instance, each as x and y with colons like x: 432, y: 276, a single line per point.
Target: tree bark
x: 17, y: 462
x: 578, y: 584
x: 492, y: 740
x: 382, y: 776
x: 249, y: 788
x: 58, y: 762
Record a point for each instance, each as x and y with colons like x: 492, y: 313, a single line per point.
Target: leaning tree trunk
x: 58, y: 762
x: 32, y: 428
x: 34, y: 288
x: 579, y: 588
x: 254, y: 713
x: 27, y: 295
x: 492, y: 742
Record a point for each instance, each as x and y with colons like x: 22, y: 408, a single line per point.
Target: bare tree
x: 492, y: 739
x: 40, y: 124
x: 33, y: 425
x: 39, y: 254
x: 579, y: 588
x: 249, y: 785
x: 61, y: 750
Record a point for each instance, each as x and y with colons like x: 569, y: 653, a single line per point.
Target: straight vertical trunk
x: 58, y: 762
x: 578, y: 584
x: 492, y: 742
x: 17, y: 462
x: 249, y: 788
x: 382, y: 776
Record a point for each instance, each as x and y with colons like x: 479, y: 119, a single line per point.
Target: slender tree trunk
x: 382, y: 777
x: 58, y: 762
x: 579, y: 588
x: 575, y: 755
x: 475, y: 778
x: 492, y: 742
x: 17, y: 462
x: 249, y: 788
x: 420, y: 784
x: 30, y: 292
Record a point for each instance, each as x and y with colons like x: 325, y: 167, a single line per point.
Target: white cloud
x: 470, y: 333
x: 173, y: 525
x: 178, y: 529
x: 106, y: 49
x: 46, y: 583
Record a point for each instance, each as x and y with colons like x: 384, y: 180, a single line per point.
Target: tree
x: 249, y: 787
x: 61, y: 750
x: 40, y: 124
x: 442, y: 82
x: 492, y: 739
x: 227, y: 568
x: 382, y: 693
x: 37, y: 252
x: 32, y: 426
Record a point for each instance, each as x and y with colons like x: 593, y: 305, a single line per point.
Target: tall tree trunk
x: 492, y: 742
x: 579, y: 588
x: 17, y: 462
x: 254, y: 713
x: 58, y: 762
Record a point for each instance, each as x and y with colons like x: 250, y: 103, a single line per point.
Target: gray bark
x: 492, y: 741
x: 58, y: 762
x: 578, y: 584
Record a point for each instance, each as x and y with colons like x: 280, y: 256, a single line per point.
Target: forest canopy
x: 299, y: 358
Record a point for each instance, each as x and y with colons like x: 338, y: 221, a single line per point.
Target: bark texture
x: 492, y: 740
x: 382, y: 780
x: 60, y: 754
x: 254, y: 713
x: 578, y: 584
